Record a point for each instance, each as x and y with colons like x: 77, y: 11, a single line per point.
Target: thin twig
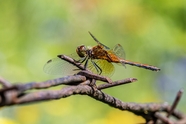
x: 95, y: 76
x: 116, y: 83
x: 5, y: 83
x: 175, y: 103
x: 164, y: 119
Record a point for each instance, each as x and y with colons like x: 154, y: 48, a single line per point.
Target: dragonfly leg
x: 86, y: 62
x: 84, y: 59
x: 81, y: 60
x: 98, y: 69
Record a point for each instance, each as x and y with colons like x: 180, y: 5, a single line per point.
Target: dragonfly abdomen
x: 145, y: 66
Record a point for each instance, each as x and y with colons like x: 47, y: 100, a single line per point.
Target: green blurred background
x: 34, y: 31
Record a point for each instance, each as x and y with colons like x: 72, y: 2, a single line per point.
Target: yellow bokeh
x: 119, y: 117
x: 28, y: 114
x: 7, y: 121
x: 53, y: 108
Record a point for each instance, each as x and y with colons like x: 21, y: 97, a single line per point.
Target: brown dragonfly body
x: 97, y: 52
x: 102, y: 52
x: 99, y: 59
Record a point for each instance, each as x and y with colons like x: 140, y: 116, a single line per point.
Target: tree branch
x: 19, y: 94
x: 84, y: 83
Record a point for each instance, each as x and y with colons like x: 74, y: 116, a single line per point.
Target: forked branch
x: 84, y: 84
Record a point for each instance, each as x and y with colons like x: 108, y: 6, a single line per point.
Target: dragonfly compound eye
x: 81, y: 51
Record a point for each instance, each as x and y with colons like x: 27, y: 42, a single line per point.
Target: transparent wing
x: 106, y: 67
x: 57, y: 66
x: 75, y: 56
x: 105, y: 47
x: 119, y: 51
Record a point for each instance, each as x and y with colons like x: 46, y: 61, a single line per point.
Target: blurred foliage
x: 153, y: 32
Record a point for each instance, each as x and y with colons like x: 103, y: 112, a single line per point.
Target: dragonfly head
x: 81, y: 51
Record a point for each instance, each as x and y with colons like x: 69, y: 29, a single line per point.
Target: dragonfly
x: 99, y: 59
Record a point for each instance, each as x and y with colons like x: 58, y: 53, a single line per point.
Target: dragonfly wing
x: 57, y: 66
x: 74, y: 56
x: 119, y: 52
x: 106, y: 67
x: 98, y: 41
x: 105, y: 47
